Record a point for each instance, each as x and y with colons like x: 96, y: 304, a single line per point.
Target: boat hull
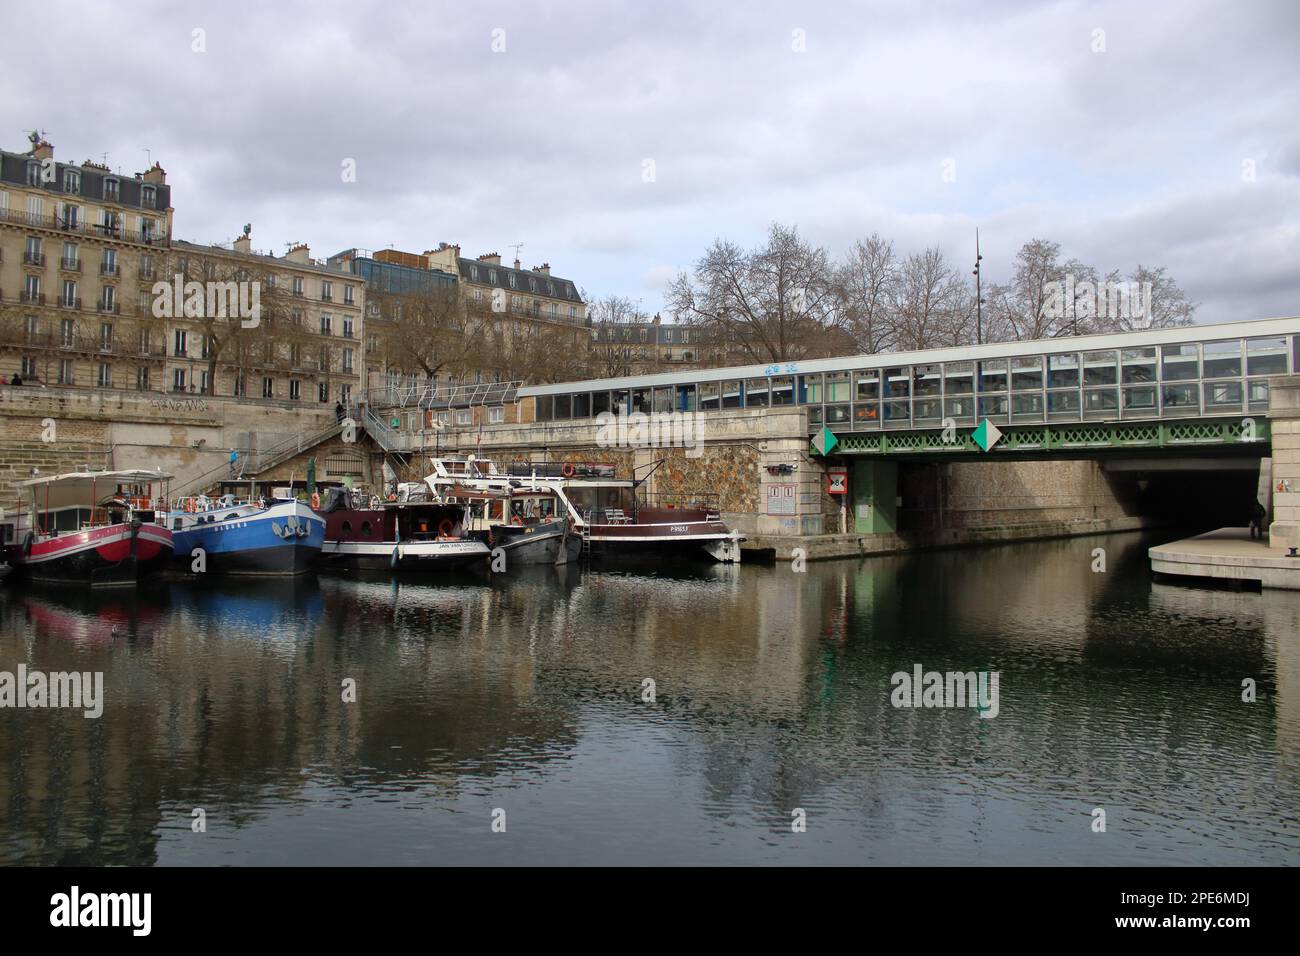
x: 528, y: 545
x: 407, y: 556
x: 700, y: 540
x: 118, y: 555
x: 283, y: 539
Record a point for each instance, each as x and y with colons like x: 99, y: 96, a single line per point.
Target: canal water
x: 770, y: 736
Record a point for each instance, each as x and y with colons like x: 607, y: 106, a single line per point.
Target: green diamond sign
x: 986, y: 435
x: 825, y: 441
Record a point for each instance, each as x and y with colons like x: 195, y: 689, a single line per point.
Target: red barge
x: 96, y: 528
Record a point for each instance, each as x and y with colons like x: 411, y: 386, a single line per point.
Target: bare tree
x: 614, y: 319
x: 867, y: 287
x: 776, y: 302
x: 932, y: 304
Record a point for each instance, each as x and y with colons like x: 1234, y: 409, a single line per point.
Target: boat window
x: 545, y: 408
x: 563, y: 406
x: 365, y: 529
x: 347, y: 527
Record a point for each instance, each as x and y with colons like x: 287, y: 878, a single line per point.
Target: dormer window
x: 111, y: 191
x: 71, y: 181
x: 33, y: 174
x: 512, y: 280
x: 148, y: 196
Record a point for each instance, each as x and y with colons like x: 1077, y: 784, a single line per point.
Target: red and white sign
x: 837, y: 481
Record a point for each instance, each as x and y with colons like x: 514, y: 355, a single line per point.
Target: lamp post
x: 979, y: 299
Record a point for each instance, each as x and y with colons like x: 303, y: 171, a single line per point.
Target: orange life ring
x: 315, y: 499
x: 445, y: 527
x: 567, y: 470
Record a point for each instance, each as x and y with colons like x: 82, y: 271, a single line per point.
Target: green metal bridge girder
x: 1072, y: 437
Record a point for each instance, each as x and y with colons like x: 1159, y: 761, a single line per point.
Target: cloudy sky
x: 615, y: 141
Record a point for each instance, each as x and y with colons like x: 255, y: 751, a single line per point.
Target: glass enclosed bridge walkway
x: 1167, y: 388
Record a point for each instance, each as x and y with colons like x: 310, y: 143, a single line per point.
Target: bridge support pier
x: 1284, y: 422
x: 873, y: 490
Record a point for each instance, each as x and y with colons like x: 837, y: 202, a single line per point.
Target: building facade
x: 89, y: 295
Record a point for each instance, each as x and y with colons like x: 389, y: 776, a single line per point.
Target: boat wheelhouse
x: 412, y: 533
x: 95, y: 528
x: 528, y: 526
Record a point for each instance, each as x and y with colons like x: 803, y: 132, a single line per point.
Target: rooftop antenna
x: 148, y: 157
x: 517, y: 246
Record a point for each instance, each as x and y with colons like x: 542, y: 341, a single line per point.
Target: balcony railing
x: 98, y: 230
x: 32, y: 298
x: 70, y: 265
x: 110, y: 270
x: 69, y: 302
x: 33, y: 258
x: 110, y: 308
x: 147, y: 275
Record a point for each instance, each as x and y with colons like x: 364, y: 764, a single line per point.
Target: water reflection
x: 771, y: 692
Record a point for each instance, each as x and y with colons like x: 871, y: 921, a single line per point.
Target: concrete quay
x: 1228, y: 554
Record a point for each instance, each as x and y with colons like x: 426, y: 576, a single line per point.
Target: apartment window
x: 106, y: 336
x: 512, y: 280
x: 554, y: 310
x: 142, y: 379
x: 105, y: 378
x: 32, y: 252
x: 347, y: 294
x: 323, y: 391
x: 148, y: 229
x: 71, y: 181
x: 69, y: 298
x: 345, y: 394
x: 496, y: 415
x: 268, y: 388
x: 178, y: 380
x: 66, y: 375
x: 573, y: 312
x: 107, y: 299
x: 239, y: 389
x: 347, y: 326
x: 492, y: 276
x: 67, y: 332
x: 204, y: 381
x: 29, y: 367
x: 146, y: 267
x: 326, y: 291
x: 108, y: 223
x: 109, y: 265
x: 149, y: 197
x: 478, y: 295
x: 347, y: 360
x: 372, y: 343
x: 295, y: 389
x: 142, y: 341
x: 464, y: 416
x: 70, y: 260
x: 33, y: 174
x: 180, y: 343
x: 111, y: 190
x: 32, y: 289
x: 473, y: 273
x: 297, y: 285
x: 205, y: 345
x: 71, y: 216
x: 31, y: 324
x: 326, y: 324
